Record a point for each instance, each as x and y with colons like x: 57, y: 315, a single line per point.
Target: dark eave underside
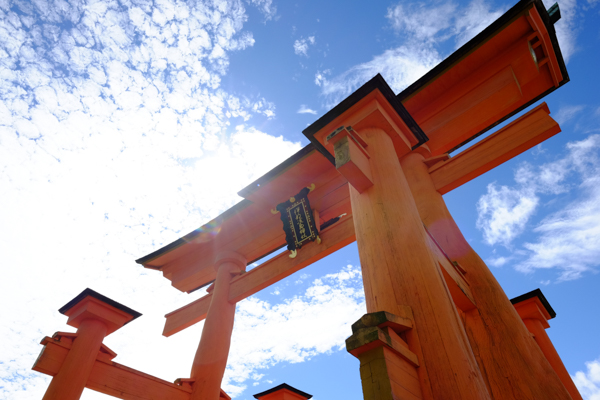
x: 535, y: 293
x: 92, y: 293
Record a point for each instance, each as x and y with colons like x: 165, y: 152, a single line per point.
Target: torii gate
x: 439, y: 325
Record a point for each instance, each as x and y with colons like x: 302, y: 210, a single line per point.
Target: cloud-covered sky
x: 126, y: 124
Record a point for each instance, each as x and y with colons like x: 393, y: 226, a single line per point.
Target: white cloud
x: 503, y: 213
x: 566, y: 113
x: 305, y: 110
x: 498, y: 261
x: 115, y: 139
x: 421, y: 21
x: 567, y: 240
x: 400, y: 67
x: 265, y: 334
x: 320, y: 77
x: 566, y: 27
x: 422, y: 26
x: 266, y: 7
x: 475, y: 18
x: 588, y: 382
x: 301, y: 46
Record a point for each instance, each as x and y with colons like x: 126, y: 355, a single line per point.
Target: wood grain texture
x: 513, y: 366
x: 399, y: 268
x: 510, y: 141
x: 112, y: 378
x: 74, y: 372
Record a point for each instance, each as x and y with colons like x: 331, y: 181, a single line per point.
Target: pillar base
x: 388, y: 367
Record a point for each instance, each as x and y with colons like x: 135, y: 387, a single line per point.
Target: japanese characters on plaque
x: 298, y: 222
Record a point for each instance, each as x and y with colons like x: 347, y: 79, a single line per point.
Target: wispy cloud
x: 266, y: 7
x: 301, y: 46
x: 305, y: 110
x: 265, y: 334
x: 503, y: 213
x: 566, y: 28
x: 588, y: 382
x: 115, y: 139
x: 422, y: 26
x: 567, y: 240
x: 498, y: 261
x: 400, y: 67
x: 421, y: 21
x: 567, y: 113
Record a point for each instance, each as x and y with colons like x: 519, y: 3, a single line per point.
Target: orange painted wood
x: 73, y: 375
x: 126, y: 383
x: 256, y: 236
x: 333, y: 238
x: 387, y: 376
x: 455, y: 105
x: 500, y: 89
x: 510, y: 141
x: 535, y: 316
x: 282, y: 394
x: 373, y: 110
x: 397, y: 369
x: 111, y: 378
x: 513, y: 366
x: 457, y: 285
x: 536, y: 327
x: 93, y: 308
x: 51, y: 357
x: 210, y: 360
x: 353, y: 164
x: 399, y: 268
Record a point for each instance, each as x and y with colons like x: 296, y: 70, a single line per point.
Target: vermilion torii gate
x: 438, y: 326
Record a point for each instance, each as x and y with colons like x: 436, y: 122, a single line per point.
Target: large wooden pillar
x: 211, y: 357
x: 400, y: 270
x: 513, y: 365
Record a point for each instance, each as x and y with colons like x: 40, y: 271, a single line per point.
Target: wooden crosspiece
x: 384, y: 160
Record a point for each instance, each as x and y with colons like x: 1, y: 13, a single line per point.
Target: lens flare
x: 205, y: 233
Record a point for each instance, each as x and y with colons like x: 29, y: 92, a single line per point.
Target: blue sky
x: 125, y: 125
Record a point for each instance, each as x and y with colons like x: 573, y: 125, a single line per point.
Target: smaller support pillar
x: 283, y: 392
x: 210, y: 361
x: 535, y: 311
x: 388, y: 366
x: 95, y: 317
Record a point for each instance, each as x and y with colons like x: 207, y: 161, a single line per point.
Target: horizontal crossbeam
x: 510, y: 141
x: 333, y: 238
x: 109, y: 377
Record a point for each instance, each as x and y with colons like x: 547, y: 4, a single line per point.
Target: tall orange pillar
x: 210, y: 361
x: 400, y: 270
x: 534, y: 310
x: 514, y: 367
x: 95, y: 316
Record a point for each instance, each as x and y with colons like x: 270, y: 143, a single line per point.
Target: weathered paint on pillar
x: 400, y: 270
x: 69, y: 382
x: 211, y: 357
x: 512, y: 364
